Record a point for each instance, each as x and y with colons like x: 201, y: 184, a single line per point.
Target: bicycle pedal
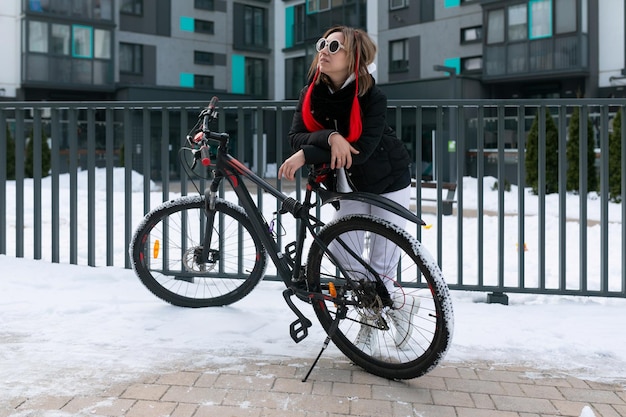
x: 298, y: 330
x: 290, y: 252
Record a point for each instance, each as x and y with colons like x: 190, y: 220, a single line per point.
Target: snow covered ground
x: 67, y: 328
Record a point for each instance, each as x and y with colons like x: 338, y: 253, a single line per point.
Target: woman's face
x: 334, y: 65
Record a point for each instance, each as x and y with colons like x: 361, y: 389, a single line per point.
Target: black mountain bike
x: 391, y: 314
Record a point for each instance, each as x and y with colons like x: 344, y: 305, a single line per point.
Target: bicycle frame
x: 233, y: 170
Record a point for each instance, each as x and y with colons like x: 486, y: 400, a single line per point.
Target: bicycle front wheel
x: 167, y: 253
x: 396, y: 330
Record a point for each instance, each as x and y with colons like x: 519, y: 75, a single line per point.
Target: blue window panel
x: 186, y: 80
x: 452, y: 3
x: 238, y: 74
x: 289, y: 29
x: 35, y: 5
x: 82, y: 41
x: 454, y: 63
x: 187, y: 24
x: 540, y: 19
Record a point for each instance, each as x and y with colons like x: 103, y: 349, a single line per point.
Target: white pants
x: 379, y: 253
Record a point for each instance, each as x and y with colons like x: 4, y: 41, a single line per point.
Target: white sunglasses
x: 333, y: 46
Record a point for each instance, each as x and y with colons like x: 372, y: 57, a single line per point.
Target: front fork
x: 210, y: 197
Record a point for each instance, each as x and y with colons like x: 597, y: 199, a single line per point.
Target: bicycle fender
x: 370, y: 198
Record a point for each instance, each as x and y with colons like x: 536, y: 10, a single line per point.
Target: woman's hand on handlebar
x: 289, y: 168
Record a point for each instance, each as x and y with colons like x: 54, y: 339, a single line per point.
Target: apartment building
x: 187, y: 49
x: 193, y: 47
x: 135, y: 49
x: 57, y: 50
x: 496, y: 48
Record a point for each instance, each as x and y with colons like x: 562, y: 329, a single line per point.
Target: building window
x: 471, y: 35
x: 203, y: 82
x: 134, y: 7
x: 37, y: 36
x: 204, y: 4
x: 471, y: 64
x: 131, y: 58
x: 314, y: 6
x: 295, y: 70
x: 103, y: 9
x: 399, y: 55
x: 565, y: 15
x: 518, y: 23
x: 36, y: 6
x: 102, y: 44
x: 82, y: 37
x: 203, y: 58
x: 397, y: 4
x: 203, y: 26
x: 254, y: 26
x: 495, y: 26
x: 60, y: 40
x: 255, y: 77
x: 540, y: 19
x: 96, y: 9
x: 299, y: 29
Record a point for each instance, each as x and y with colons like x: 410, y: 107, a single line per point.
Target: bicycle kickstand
x: 341, y: 314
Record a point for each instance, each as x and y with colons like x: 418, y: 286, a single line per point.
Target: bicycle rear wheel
x: 166, y: 253
x: 399, y: 332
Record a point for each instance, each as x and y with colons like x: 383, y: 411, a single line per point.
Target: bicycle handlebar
x: 204, y: 135
x: 209, y: 114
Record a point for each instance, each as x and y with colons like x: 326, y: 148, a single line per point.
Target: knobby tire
x: 166, y: 254
x: 432, y: 325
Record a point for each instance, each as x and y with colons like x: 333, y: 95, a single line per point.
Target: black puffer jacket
x: 382, y: 165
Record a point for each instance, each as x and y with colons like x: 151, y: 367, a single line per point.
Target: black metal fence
x: 110, y: 162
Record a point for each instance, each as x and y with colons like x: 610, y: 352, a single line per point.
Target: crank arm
x: 309, y: 296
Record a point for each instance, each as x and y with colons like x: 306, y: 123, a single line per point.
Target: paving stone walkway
x: 272, y: 387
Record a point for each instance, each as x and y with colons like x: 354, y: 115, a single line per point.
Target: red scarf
x: 356, y: 125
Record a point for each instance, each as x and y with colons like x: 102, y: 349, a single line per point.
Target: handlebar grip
x: 212, y: 104
x: 205, y: 157
x: 209, y: 113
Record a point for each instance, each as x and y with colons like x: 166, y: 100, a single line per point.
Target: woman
x: 341, y: 119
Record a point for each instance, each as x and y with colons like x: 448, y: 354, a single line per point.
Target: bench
x: 447, y: 201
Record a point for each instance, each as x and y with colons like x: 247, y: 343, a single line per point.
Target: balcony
x: 64, y: 71
x: 100, y: 10
x: 556, y: 56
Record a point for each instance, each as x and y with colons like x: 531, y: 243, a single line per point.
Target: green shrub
x: 507, y: 185
x: 573, y: 155
x: 10, y: 156
x: 552, y: 155
x: 30, y: 157
x: 615, y: 159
